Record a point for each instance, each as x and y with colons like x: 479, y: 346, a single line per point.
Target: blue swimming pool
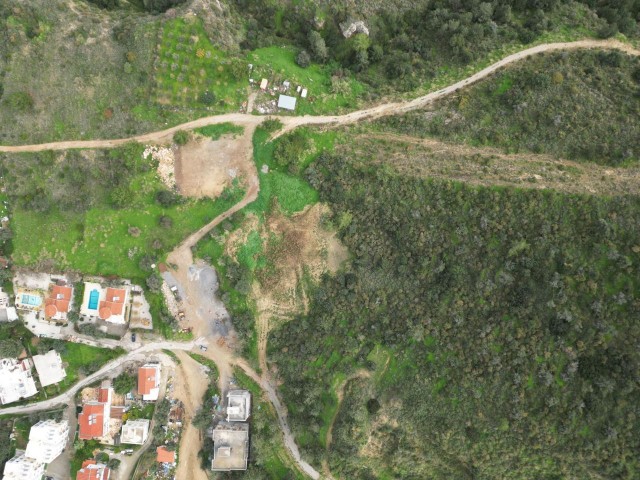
x: 94, y: 296
x: 32, y: 300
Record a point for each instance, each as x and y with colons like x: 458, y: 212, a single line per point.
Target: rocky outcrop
x: 352, y: 27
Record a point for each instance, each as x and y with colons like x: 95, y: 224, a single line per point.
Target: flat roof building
x: 49, y: 368
x: 230, y: 447
x: 149, y: 381
x: 238, y: 405
x: 287, y: 102
x: 47, y: 440
x: 16, y: 381
x: 135, y: 432
x: 22, y: 467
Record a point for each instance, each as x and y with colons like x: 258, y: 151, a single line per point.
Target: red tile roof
x: 90, y: 421
x: 165, y: 456
x: 103, y: 395
x: 146, y: 380
x: 58, y: 300
x: 113, y: 304
x: 91, y: 472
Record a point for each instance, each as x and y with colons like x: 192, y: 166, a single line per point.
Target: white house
x: 135, y: 432
x: 47, y: 440
x: 49, y: 368
x: 16, y: 381
x: 22, y: 467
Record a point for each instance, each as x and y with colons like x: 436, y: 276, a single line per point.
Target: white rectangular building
x: 135, y: 432
x: 16, y: 381
x: 22, y: 467
x: 287, y: 102
x: 47, y: 440
x: 238, y: 405
x: 49, y: 368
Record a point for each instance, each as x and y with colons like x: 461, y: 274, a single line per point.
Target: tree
x: 317, y: 46
x: 166, y: 198
x: 10, y: 348
x: 114, y: 463
x: 303, y: 59
x: 124, y: 383
x: 165, y: 221
x: 146, y: 262
x: 19, y: 101
x: 207, y: 98
x: 181, y: 137
x: 154, y: 282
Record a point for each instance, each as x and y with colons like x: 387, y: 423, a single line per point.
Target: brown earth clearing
x: 204, y: 167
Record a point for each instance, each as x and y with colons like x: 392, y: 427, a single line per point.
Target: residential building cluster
x: 47, y: 440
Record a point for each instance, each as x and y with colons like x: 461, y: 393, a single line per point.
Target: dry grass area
x: 491, y: 167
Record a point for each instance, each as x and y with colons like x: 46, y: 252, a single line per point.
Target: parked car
x: 203, y: 348
x: 133, y: 337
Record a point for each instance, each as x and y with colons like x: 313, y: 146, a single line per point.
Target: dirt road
x: 291, y: 123
x: 191, y: 384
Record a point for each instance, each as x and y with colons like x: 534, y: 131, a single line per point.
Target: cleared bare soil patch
x: 203, y: 167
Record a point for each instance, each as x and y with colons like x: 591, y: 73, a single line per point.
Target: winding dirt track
x: 182, y: 258
x: 291, y: 123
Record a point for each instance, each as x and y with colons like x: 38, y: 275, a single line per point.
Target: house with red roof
x: 165, y: 456
x: 93, y: 421
x: 108, y: 304
x: 56, y: 305
x: 149, y: 381
x: 91, y: 470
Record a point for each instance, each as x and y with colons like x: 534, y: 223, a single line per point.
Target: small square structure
x: 263, y: 84
x: 16, y: 381
x: 22, y: 467
x: 287, y: 102
x: 230, y: 447
x: 238, y: 405
x: 49, y: 368
x: 47, y: 440
x: 304, y: 93
x: 135, y: 432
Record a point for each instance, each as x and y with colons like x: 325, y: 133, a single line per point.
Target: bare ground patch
x: 204, y: 167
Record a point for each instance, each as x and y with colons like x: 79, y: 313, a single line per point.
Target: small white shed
x: 287, y: 102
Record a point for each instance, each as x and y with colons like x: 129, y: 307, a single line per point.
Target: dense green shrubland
x: 509, y: 319
x: 579, y: 105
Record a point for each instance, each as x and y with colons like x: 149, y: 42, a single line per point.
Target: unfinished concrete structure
x: 238, y: 405
x: 230, y: 447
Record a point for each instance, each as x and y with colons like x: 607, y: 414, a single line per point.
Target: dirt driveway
x: 190, y: 385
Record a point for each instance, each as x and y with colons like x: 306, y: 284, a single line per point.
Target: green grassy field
x: 100, y: 241
x: 216, y: 131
